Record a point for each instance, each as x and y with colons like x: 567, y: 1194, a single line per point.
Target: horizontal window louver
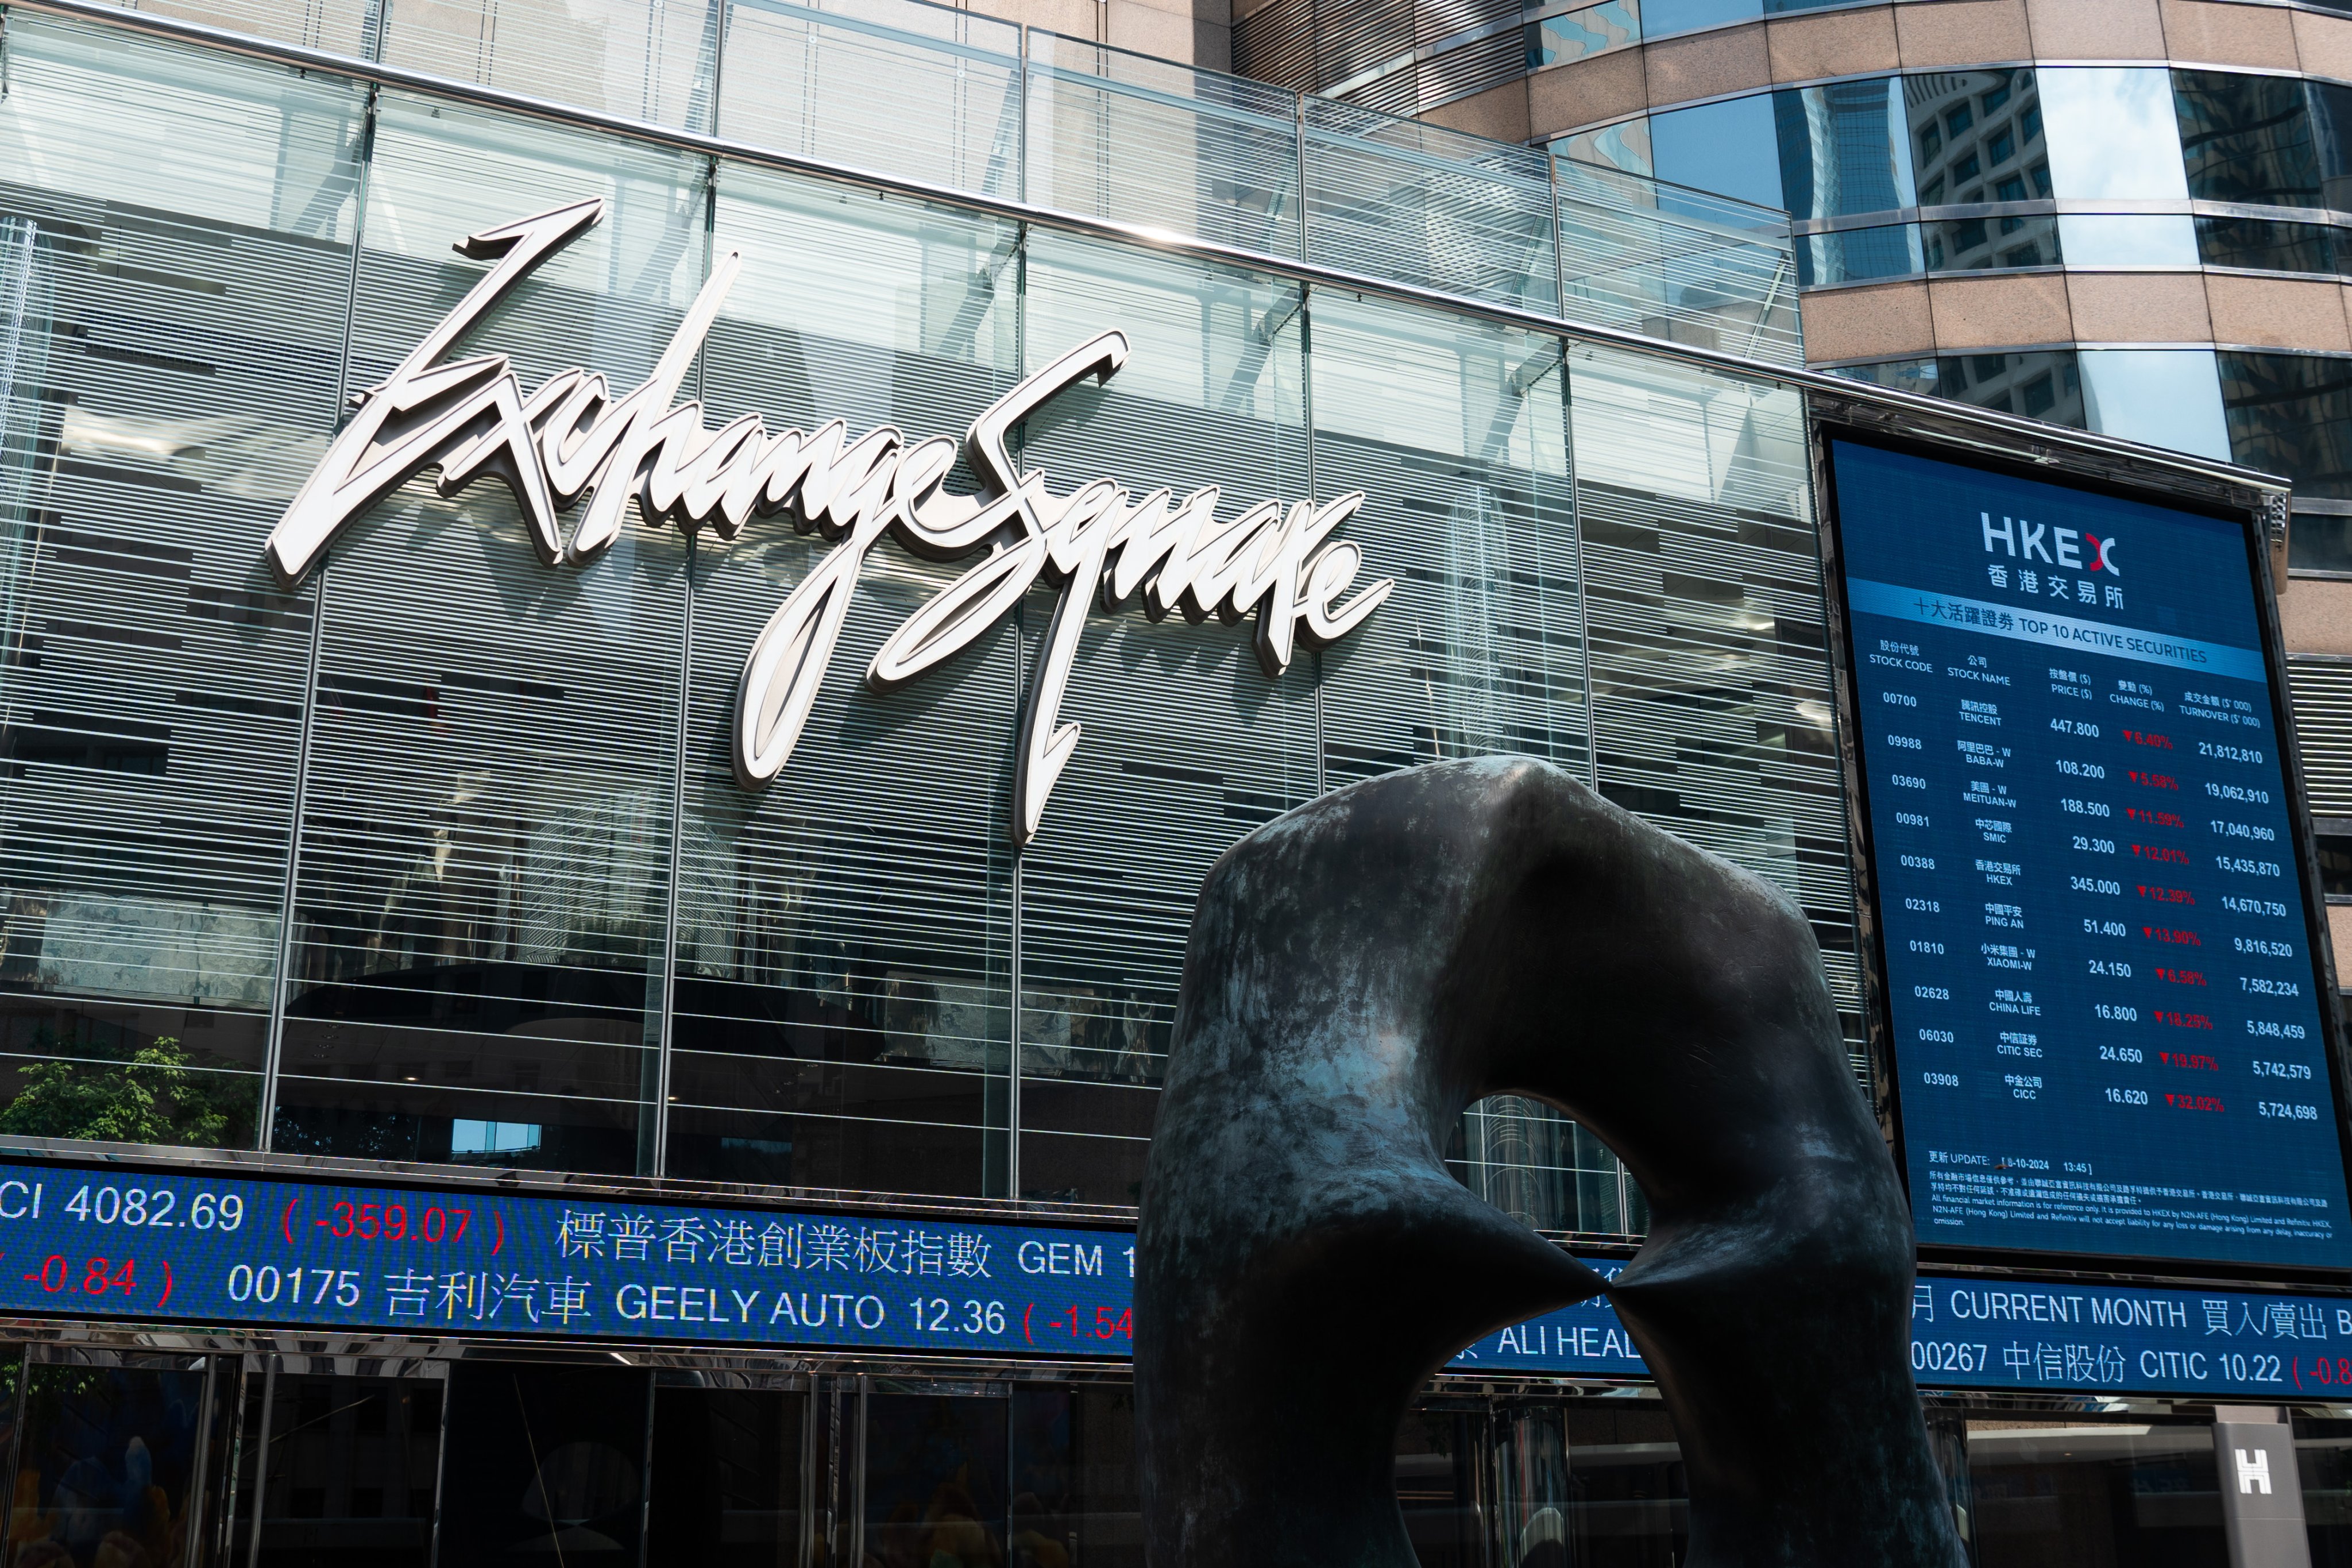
x: 844, y: 1012
x: 1711, y: 699
x: 483, y: 901
x: 1357, y: 35
x: 175, y: 254
x: 2323, y: 730
x: 1275, y: 43
x: 1470, y: 69
x: 486, y: 806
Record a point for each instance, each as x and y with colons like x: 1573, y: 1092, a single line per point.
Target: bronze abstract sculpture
x: 1361, y: 970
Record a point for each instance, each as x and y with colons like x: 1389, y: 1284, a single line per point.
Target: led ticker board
x: 2104, y: 1010
x: 229, y: 1252
x: 220, y: 1249
x: 2023, y: 1334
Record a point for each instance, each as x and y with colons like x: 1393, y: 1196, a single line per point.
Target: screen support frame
x: 2258, y: 507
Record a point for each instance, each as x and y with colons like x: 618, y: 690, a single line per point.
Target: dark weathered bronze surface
x: 1362, y: 969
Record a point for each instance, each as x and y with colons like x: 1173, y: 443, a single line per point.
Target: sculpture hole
x: 1545, y: 1171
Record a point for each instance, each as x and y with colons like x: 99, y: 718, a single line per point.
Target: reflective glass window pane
x: 1903, y: 375
x: 2045, y: 385
x: 544, y: 1464
x: 1076, y: 1496
x: 1625, y: 145
x: 175, y: 233
x: 482, y: 903
x: 2164, y: 397
x: 1559, y: 39
x: 2331, y: 126
x: 2021, y: 240
x: 1858, y: 255
x: 1965, y: 124
x: 1660, y: 18
x: 1409, y: 200
x: 337, y: 26
x: 1677, y: 263
x: 1532, y: 1495
x: 2008, y: 240
x: 2323, y: 1451
x: 104, y: 1460
x: 2292, y: 414
x: 2128, y: 239
x: 1730, y: 148
x: 653, y: 63
x: 842, y: 1011
x: 1843, y: 148
x: 350, y: 1474
x: 935, y: 1479
x: 1542, y: 1169
x: 1142, y: 140
x: 2113, y: 132
x: 924, y: 92
x: 2266, y: 245
x: 726, y: 1472
x: 1188, y: 744
x: 1445, y: 1452
x: 2322, y: 542
x: 1711, y: 706
x: 1628, y: 1493
x: 2075, y: 1492
x: 2246, y: 138
x: 1457, y: 433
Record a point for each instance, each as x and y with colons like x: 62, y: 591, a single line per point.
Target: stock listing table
x: 2104, y: 1009
x: 222, y: 1251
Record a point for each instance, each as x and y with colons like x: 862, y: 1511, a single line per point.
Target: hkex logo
x: 2052, y: 546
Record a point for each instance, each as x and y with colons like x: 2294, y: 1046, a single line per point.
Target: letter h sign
x: 2262, y: 1515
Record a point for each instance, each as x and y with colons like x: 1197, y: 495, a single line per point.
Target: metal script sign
x: 571, y: 440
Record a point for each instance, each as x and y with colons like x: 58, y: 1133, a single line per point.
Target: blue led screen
x: 2106, y: 1031
x: 218, y: 1251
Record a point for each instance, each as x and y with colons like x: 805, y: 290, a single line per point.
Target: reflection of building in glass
x: 2084, y: 194
x: 2037, y: 385
x: 431, y: 871
x: 1976, y: 141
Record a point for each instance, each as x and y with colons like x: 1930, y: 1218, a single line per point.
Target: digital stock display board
x: 232, y: 1251
x: 2106, y: 1024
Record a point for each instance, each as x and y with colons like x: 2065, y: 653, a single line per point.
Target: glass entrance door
x: 345, y: 1461
x: 546, y: 1463
x: 935, y: 1478
x: 730, y: 1471
x: 111, y: 1458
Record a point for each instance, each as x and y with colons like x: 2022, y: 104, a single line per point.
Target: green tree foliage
x: 152, y: 1098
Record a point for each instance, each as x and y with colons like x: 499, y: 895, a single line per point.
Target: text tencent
x: 571, y: 439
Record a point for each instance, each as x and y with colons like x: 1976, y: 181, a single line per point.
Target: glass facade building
x: 2123, y: 218
x: 463, y: 875
x: 436, y: 862
x: 2126, y: 175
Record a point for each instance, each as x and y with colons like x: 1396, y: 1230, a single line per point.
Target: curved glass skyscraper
x: 2128, y: 215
